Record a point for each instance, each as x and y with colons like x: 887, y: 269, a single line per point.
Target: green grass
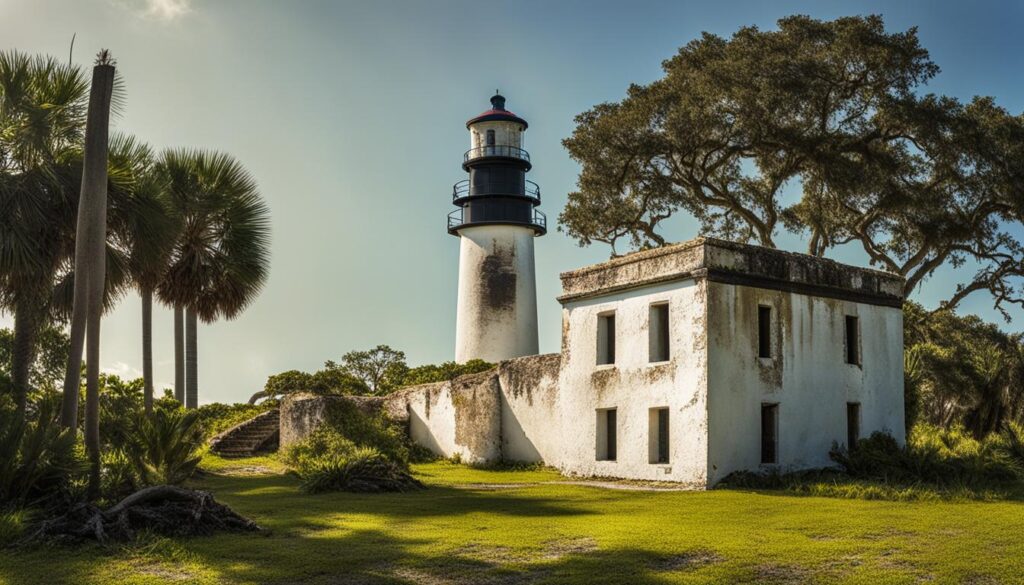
x: 523, y: 528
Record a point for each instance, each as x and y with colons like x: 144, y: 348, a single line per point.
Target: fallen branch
x: 164, y: 509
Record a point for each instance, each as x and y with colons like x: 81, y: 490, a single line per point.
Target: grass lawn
x: 509, y: 527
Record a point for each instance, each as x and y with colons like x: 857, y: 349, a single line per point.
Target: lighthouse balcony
x: 465, y: 190
x: 495, y: 151
x: 465, y: 217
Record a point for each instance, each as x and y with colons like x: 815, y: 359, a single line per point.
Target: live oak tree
x: 820, y: 129
x: 381, y: 368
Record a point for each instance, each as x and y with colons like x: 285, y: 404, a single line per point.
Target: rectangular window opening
x: 658, y: 436
x: 606, y: 434
x: 657, y: 333
x: 606, y: 339
x: 852, y: 340
x: 769, y: 433
x: 764, y: 331
x: 852, y: 425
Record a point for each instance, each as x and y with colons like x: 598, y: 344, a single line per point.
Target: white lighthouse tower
x: 496, y: 223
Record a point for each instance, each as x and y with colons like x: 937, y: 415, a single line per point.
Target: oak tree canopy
x: 819, y: 128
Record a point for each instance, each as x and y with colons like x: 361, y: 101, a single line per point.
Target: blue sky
x: 351, y: 117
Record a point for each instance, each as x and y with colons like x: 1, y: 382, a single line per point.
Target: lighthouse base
x: 497, y: 305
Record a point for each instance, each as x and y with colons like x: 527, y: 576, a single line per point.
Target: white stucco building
x: 683, y: 363
x: 686, y: 363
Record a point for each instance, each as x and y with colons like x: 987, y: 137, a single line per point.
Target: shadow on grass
x: 374, y: 557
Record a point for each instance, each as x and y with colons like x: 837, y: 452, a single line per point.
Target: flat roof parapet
x: 734, y: 263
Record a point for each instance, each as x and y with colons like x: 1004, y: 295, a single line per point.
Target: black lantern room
x: 497, y: 191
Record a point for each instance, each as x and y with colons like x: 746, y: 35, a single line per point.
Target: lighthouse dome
x: 497, y: 113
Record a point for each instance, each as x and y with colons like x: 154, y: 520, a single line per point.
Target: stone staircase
x: 259, y: 434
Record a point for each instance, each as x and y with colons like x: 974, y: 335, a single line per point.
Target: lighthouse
x: 496, y: 222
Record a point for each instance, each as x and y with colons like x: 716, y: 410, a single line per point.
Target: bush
x: 362, y: 470
x: 163, y: 447
x: 12, y: 524
x: 948, y: 458
x: 39, y: 460
x: 118, y: 477
x: 324, y: 443
x: 368, y: 430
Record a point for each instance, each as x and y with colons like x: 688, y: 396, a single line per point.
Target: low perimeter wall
x: 507, y: 413
x: 302, y: 413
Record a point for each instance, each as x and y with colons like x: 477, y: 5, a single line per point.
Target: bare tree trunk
x: 179, y: 355
x: 191, y: 372
x: 147, y: 348
x: 26, y: 331
x: 79, y: 313
x: 93, y: 201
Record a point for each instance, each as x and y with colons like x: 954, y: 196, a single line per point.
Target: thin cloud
x: 162, y: 10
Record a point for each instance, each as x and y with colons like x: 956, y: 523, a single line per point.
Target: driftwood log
x: 164, y: 509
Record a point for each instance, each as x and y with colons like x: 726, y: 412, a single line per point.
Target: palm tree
x: 143, y: 227
x: 42, y: 114
x: 220, y: 258
x: 91, y: 265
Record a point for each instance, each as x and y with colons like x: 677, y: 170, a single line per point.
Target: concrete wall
x: 303, y: 413
x: 496, y: 317
x: 460, y: 418
x: 507, y: 413
x: 807, y: 376
x: 532, y: 426
x: 633, y: 385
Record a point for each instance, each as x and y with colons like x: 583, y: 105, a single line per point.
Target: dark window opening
x: 606, y: 434
x: 606, y: 339
x: 764, y: 332
x: 769, y: 433
x: 852, y: 424
x: 490, y: 138
x: 658, y: 436
x: 852, y: 341
x: 657, y: 331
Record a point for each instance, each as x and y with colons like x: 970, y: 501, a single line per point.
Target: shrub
x: 324, y: 443
x: 12, y: 524
x: 941, y: 457
x: 38, y: 459
x: 362, y: 470
x: 118, y: 477
x: 368, y: 430
x: 163, y: 447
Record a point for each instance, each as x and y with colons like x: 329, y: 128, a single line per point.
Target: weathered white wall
x: 496, y: 318
x: 807, y: 376
x: 460, y: 418
x: 633, y: 386
x: 532, y: 421
x: 505, y: 134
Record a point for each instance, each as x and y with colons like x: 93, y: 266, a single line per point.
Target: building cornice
x: 738, y: 264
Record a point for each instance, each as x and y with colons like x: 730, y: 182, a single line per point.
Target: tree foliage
x: 47, y: 369
x: 381, y: 368
x: 378, y: 371
x: 818, y: 128
x: 963, y: 371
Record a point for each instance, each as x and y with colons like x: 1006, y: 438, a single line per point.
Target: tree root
x: 164, y: 509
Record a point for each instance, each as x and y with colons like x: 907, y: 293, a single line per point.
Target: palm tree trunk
x: 26, y: 331
x: 191, y: 372
x: 147, y: 348
x: 79, y: 311
x: 93, y: 200
x: 179, y: 355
